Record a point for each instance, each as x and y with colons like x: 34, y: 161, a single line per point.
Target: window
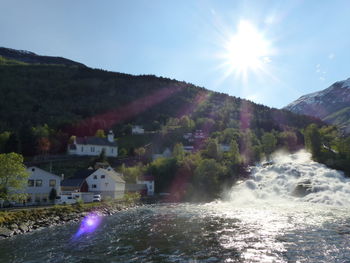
x: 92, y: 149
x: 38, y: 183
x: 30, y: 183
x: 103, y: 176
x: 94, y: 186
x: 112, y: 150
x: 82, y: 148
x: 33, y: 169
x: 95, y: 176
x: 52, y: 183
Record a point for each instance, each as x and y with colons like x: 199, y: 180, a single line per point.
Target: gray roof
x: 95, y: 141
x: 78, y: 178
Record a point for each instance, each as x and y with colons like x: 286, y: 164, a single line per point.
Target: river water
x: 260, y: 220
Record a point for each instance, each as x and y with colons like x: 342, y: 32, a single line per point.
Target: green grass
x: 10, y: 62
x: 135, y: 141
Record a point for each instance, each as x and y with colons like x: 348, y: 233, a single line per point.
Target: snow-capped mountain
x: 331, y: 105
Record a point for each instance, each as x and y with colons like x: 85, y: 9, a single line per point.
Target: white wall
x: 40, y: 193
x: 106, y: 186
x: 94, y: 150
x: 150, y: 186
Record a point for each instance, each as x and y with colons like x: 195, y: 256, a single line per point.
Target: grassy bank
x: 25, y: 220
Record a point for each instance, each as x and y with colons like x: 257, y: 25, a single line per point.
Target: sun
x: 247, y: 50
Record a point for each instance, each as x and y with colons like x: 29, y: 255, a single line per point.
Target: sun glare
x: 247, y: 50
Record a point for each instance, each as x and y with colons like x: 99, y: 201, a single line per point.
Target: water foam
x: 293, y: 177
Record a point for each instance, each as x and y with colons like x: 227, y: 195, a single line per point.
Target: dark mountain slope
x: 80, y: 100
x: 32, y: 58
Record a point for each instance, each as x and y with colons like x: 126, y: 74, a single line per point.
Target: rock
x: 5, y: 232
x: 302, y: 189
x: 13, y: 226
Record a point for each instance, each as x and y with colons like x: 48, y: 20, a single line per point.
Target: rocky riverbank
x: 22, y: 221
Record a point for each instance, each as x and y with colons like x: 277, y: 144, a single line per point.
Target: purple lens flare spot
x: 88, y: 225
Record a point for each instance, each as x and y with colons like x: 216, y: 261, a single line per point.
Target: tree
x: 207, y: 177
x: 313, y: 141
x: 269, y: 142
x: 234, y: 154
x: 53, y: 195
x: 140, y: 152
x: 100, y: 133
x: 44, y: 145
x: 3, y: 139
x: 212, y: 150
x: 13, y: 175
x: 178, y: 151
x: 13, y: 144
x: 102, y: 157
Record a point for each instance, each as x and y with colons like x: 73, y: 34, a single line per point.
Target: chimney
x: 110, y: 136
x: 62, y: 176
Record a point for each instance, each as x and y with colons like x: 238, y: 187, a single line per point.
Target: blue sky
x: 186, y: 40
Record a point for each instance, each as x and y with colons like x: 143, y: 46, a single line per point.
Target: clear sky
x: 270, y: 52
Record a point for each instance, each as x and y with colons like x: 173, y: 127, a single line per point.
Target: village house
x: 93, y: 146
x: 137, y: 130
x: 40, y: 184
x: 106, y: 182
x: 147, y: 180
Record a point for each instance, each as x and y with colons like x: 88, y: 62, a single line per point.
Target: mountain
x: 79, y: 100
x: 332, y: 105
x: 32, y: 58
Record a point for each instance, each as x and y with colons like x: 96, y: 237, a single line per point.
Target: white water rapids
x: 293, y: 178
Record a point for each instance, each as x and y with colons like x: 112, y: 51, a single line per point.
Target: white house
x: 137, y: 130
x: 40, y: 184
x: 147, y: 180
x: 93, y: 146
x: 106, y: 182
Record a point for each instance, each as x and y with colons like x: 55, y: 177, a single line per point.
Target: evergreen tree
x: 53, y: 195
x: 313, y: 141
x: 13, y: 144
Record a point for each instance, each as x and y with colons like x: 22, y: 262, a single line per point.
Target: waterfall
x: 292, y: 178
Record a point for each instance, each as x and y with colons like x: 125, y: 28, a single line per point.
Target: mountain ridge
x: 32, y: 58
x: 329, y: 104
x: 35, y: 94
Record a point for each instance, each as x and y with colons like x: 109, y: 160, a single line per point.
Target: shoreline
x: 19, y: 222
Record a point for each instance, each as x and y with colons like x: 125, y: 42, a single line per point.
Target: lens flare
x: 88, y: 225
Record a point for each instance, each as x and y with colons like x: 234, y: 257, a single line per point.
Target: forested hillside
x: 42, y: 106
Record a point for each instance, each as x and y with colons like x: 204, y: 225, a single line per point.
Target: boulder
x: 5, y: 232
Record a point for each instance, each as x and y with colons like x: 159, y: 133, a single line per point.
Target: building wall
x: 150, y: 186
x: 93, y: 150
x: 101, y: 182
x: 40, y: 193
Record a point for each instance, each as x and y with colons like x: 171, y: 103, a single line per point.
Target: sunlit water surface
x: 262, y: 220
x: 214, y: 232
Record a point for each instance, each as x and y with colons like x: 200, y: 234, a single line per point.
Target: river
x: 260, y: 220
